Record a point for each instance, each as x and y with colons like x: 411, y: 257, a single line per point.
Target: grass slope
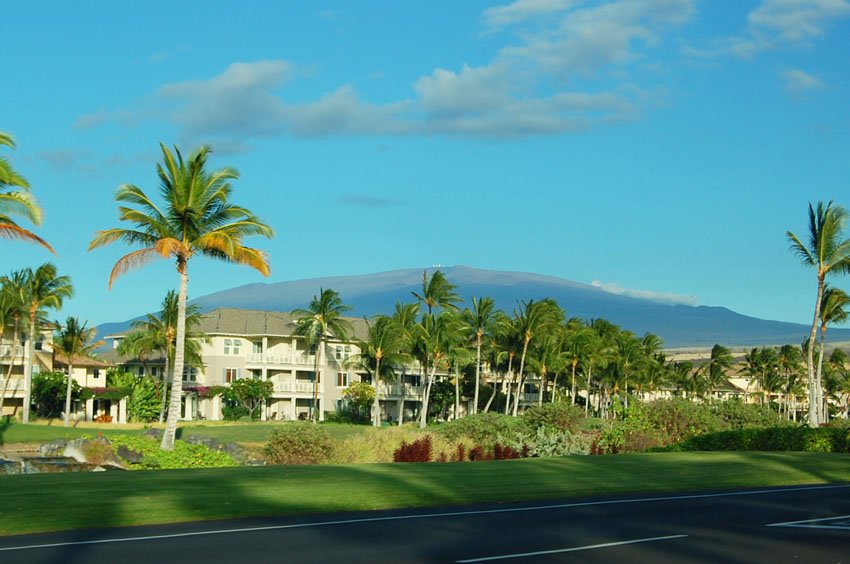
x: 45, y: 502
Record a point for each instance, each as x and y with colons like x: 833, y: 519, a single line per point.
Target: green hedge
x: 799, y: 439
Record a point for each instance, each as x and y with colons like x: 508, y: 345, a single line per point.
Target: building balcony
x: 409, y: 391
x: 295, y: 387
x: 292, y: 359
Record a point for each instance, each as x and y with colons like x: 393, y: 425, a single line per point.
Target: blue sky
x: 661, y: 147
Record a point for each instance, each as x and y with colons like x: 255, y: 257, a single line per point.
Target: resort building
x: 263, y: 345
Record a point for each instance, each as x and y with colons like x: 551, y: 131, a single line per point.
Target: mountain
x: 370, y: 294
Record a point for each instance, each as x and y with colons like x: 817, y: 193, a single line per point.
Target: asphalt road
x: 802, y: 525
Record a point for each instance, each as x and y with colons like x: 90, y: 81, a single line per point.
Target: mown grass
x: 48, y: 502
x: 247, y: 433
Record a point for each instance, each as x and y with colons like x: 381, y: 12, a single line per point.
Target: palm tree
x: 790, y: 362
x: 435, y: 336
x: 12, y: 306
x: 404, y: 318
x: 17, y: 202
x: 380, y: 354
x: 194, y: 218
x: 74, y: 340
x: 322, y: 318
x: 833, y: 310
x: 480, y: 319
x: 437, y: 292
x: 719, y: 362
x: 159, y: 333
x: 533, y: 318
x: 44, y: 289
x: 828, y: 253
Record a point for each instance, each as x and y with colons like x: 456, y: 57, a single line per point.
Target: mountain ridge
x: 679, y: 325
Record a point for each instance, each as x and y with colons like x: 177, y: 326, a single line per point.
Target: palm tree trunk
x: 818, y: 376
x: 519, y: 382
x: 170, y: 433
x: 68, y: 393
x: 573, y: 388
x: 542, y: 390
x: 28, y: 369
x: 477, y: 374
x: 554, y: 387
x: 401, y: 401
x: 165, y: 376
x: 810, y: 357
x: 314, y: 415
x: 587, y: 398
x: 457, y: 393
x: 423, y: 416
x: 493, y: 395
x: 507, y: 391
x: 376, y: 422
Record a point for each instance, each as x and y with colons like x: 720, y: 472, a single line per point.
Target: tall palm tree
x: 533, y: 318
x: 159, y: 333
x: 195, y: 217
x: 719, y: 363
x: 44, y: 290
x: 404, y: 318
x: 833, y: 310
x: 75, y: 341
x: 790, y: 363
x: 827, y: 252
x: 19, y: 203
x: 323, y: 318
x: 435, y: 336
x: 12, y: 306
x: 437, y: 292
x: 380, y: 354
x: 480, y: 319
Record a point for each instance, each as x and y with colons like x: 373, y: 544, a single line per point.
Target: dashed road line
x: 572, y: 549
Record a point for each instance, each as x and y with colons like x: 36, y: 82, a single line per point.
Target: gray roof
x: 257, y: 323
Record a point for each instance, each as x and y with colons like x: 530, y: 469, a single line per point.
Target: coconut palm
x: 159, y: 333
x: 380, y: 354
x: 75, y: 341
x: 19, y: 202
x: 790, y: 363
x: 437, y: 292
x: 719, y: 363
x: 44, y: 289
x: 195, y: 217
x: 404, y: 318
x: 833, y: 310
x: 12, y: 309
x: 533, y: 319
x: 827, y: 252
x: 480, y: 319
x: 435, y: 336
x: 323, y: 318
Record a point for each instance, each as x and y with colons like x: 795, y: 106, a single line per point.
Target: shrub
x: 548, y: 442
x: 184, y: 455
x: 553, y: 416
x: 299, y: 443
x: 678, y: 419
x: 48, y: 393
x: 739, y: 415
x: 419, y: 450
x: 801, y: 439
x: 482, y: 429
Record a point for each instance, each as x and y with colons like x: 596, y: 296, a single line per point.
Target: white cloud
x: 589, y: 39
x: 520, y: 92
x: 798, y: 82
x: 775, y: 24
x: 521, y: 10
x: 661, y: 297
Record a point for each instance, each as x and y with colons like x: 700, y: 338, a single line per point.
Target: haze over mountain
x: 678, y: 325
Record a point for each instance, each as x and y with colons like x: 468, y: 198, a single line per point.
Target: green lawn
x: 44, y: 502
x: 42, y: 432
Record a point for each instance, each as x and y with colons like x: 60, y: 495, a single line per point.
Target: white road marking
x: 420, y: 516
x: 573, y: 549
x: 816, y: 523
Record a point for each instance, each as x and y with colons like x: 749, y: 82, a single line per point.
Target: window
x: 258, y: 347
x: 227, y: 344
x: 341, y: 379
x: 190, y: 374
x: 141, y: 370
x: 231, y: 374
x: 236, y: 344
x: 347, y: 352
x: 95, y: 372
x: 339, y: 353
